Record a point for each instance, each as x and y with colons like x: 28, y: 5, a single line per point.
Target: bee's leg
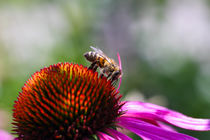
x: 101, y: 75
x: 109, y: 75
x: 93, y: 66
x: 114, y: 81
x: 115, y: 76
x: 102, y: 72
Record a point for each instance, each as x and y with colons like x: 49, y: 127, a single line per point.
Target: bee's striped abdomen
x: 101, y: 62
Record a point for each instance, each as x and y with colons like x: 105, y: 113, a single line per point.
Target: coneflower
x: 68, y: 101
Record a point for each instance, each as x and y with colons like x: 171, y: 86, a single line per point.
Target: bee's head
x: 86, y: 55
x: 89, y: 56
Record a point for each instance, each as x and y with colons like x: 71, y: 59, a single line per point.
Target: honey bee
x: 107, y: 65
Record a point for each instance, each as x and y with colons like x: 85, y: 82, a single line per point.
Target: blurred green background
x: 164, y: 47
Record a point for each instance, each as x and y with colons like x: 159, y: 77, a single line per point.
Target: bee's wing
x: 97, y: 50
x: 101, y: 53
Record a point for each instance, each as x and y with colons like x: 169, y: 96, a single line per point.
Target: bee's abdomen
x: 101, y: 62
x: 91, y: 56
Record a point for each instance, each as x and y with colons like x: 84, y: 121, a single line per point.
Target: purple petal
x: 118, y: 135
x: 5, y: 135
x: 120, y: 65
x: 150, y: 111
x: 149, y: 131
x: 166, y: 127
x: 103, y: 136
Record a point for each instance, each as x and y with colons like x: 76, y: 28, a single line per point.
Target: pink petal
x: 150, y: 111
x: 166, y: 127
x: 149, y: 131
x: 120, y: 65
x: 103, y: 136
x: 118, y: 135
x: 5, y: 135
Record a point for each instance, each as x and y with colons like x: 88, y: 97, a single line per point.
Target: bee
x: 107, y: 65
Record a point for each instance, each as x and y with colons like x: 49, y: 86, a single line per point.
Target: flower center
x: 65, y: 101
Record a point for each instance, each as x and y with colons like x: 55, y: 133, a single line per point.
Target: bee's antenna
x: 120, y: 65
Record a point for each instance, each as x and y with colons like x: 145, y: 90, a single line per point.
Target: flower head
x: 65, y: 101
x: 68, y: 101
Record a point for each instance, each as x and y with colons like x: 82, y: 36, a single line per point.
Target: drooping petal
x: 166, y: 127
x: 159, y: 124
x: 5, y: 135
x: 118, y: 135
x: 149, y: 131
x: 150, y: 111
x: 103, y: 136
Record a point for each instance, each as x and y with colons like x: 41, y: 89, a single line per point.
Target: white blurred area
x: 182, y: 31
x: 28, y: 33
x: 136, y: 95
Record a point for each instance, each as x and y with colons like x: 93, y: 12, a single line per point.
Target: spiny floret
x: 65, y: 101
